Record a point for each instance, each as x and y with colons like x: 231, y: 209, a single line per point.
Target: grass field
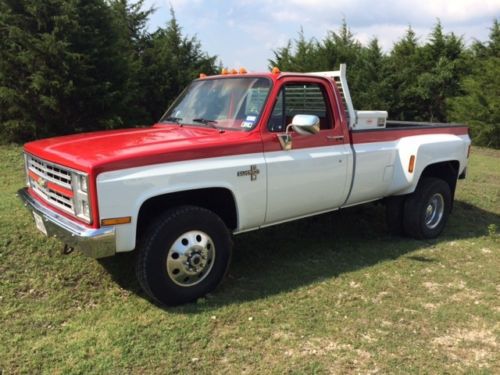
x: 331, y: 294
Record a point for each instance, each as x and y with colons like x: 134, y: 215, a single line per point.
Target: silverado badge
x: 253, y: 172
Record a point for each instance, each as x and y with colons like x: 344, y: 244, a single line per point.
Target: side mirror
x: 302, y: 124
x: 305, y: 124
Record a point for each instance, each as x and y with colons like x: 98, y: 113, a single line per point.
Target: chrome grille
x: 55, y: 174
x: 49, y: 171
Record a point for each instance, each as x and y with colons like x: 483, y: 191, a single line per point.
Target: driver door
x: 314, y: 176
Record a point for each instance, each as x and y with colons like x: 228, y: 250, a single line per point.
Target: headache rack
x: 355, y: 119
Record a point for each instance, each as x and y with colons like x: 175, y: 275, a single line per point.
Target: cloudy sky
x: 244, y: 32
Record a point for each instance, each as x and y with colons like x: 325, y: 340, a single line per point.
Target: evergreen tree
x: 302, y: 57
x: 282, y: 58
x: 338, y: 48
x: 444, y: 66
x: 131, y: 22
x: 404, y: 68
x: 480, y: 106
x: 373, y: 83
x: 60, y: 68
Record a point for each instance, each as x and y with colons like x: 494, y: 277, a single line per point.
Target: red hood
x: 117, y: 149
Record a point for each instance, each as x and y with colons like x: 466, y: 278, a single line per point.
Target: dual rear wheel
x: 422, y: 214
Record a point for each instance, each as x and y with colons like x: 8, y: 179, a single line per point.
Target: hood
x: 117, y: 149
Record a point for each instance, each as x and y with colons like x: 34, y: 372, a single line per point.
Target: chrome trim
x: 50, y: 171
x: 302, y: 124
x: 95, y: 243
x: 55, y: 164
x: 305, y: 124
x: 434, y: 211
x: 65, y: 177
x: 190, y: 258
x: 335, y: 137
x: 285, y: 141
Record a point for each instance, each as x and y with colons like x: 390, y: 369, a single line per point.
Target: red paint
x: 324, y: 138
x: 117, y: 149
x: 33, y: 175
x: 103, y: 151
x: 370, y: 136
x: 60, y: 189
x: 99, y: 152
x: 52, y: 186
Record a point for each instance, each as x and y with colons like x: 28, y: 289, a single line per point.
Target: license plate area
x: 39, y: 223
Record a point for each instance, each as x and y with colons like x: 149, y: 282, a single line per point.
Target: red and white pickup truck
x: 234, y: 153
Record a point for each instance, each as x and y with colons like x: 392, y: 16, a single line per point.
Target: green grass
x: 328, y: 294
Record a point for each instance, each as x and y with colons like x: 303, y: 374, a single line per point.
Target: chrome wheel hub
x: 434, y: 211
x: 190, y: 258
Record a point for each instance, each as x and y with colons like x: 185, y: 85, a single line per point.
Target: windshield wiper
x: 172, y: 119
x: 206, y: 122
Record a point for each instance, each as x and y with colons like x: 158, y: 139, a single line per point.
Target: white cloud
x: 369, y: 12
x: 246, y: 31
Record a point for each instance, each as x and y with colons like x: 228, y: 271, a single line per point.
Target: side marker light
x: 411, y: 165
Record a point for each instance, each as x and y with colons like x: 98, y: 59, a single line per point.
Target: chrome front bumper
x: 95, y: 243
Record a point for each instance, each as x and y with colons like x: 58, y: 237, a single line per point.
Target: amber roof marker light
x: 276, y: 70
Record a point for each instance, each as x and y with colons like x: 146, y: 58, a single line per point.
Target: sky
x: 243, y: 33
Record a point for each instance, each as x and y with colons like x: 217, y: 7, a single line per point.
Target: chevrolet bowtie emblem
x: 41, y: 182
x: 253, y: 172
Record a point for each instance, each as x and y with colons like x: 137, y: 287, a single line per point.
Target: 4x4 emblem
x: 253, y: 172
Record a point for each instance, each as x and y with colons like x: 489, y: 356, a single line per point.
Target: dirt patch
x: 431, y: 287
x: 317, y: 346
x: 469, y: 347
x: 431, y: 306
x: 466, y: 295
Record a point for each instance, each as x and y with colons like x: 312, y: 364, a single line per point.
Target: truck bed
x: 393, y: 124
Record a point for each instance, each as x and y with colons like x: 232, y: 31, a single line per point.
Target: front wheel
x: 426, y: 211
x: 184, y: 255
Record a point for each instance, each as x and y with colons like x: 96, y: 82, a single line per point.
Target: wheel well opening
x: 447, y: 171
x: 218, y: 200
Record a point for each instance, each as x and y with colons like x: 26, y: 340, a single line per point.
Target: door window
x: 303, y: 99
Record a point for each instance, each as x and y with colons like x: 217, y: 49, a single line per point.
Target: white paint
x: 122, y: 193
x: 290, y: 185
x: 428, y: 149
x: 372, y: 176
x: 304, y: 181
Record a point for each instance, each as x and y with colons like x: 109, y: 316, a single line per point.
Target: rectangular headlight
x: 83, y: 183
x: 81, y: 201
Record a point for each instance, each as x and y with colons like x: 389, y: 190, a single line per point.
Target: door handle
x: 335, y: 137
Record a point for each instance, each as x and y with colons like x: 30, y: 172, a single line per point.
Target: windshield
x: 224, y: 103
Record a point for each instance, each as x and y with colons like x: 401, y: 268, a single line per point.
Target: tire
x: 394, y: 214
x: 426, y: 211
x: 184, y: 255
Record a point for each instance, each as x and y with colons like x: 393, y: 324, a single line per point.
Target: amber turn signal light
x: 116, y: 221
